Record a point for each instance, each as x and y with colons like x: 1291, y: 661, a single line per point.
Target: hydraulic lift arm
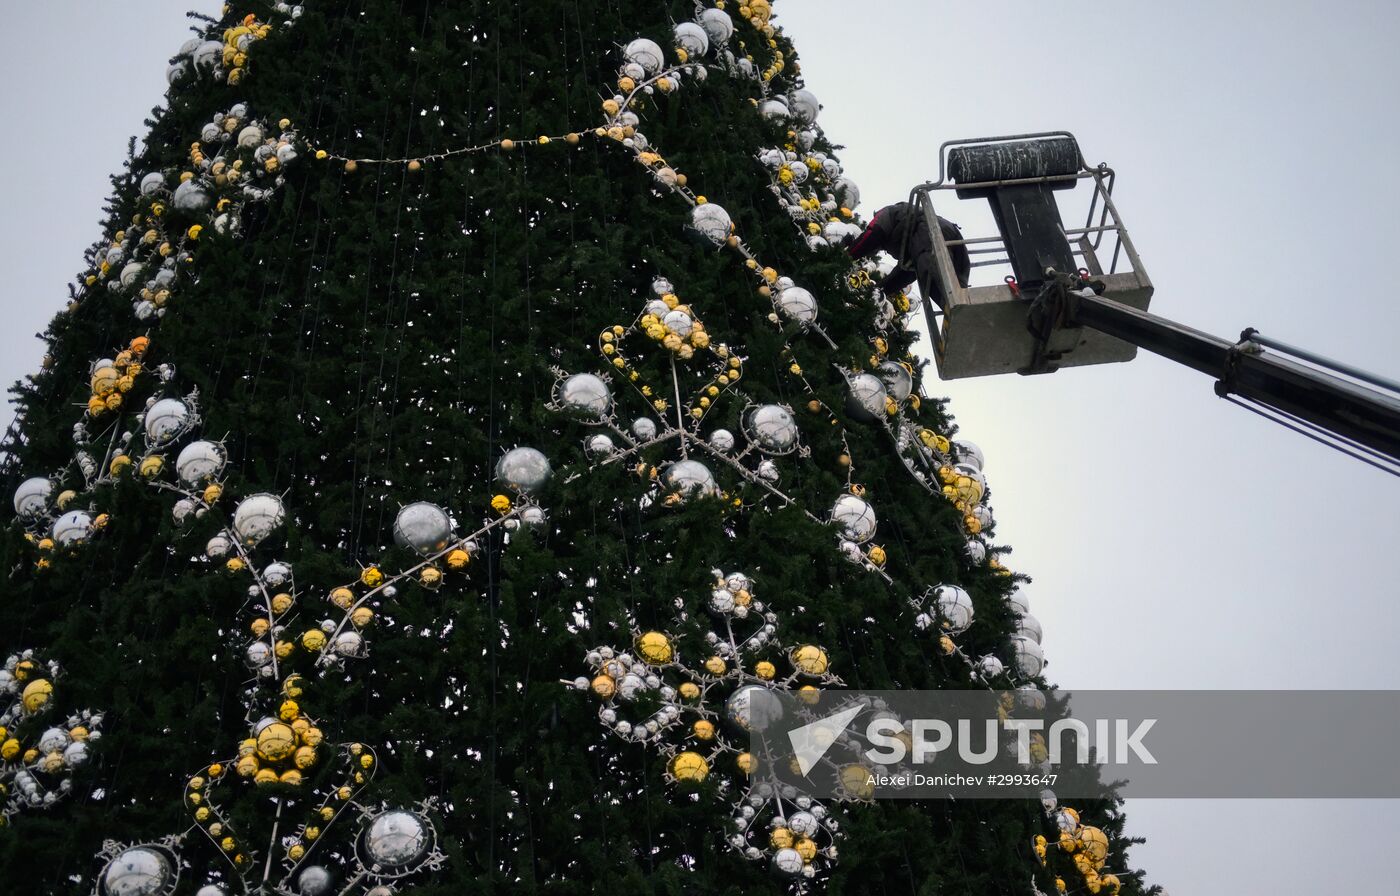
x: 1365, y: 418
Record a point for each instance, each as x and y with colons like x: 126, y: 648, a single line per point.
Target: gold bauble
x: 259, y: 627
x: 234, y: 564
x: 655, y: 648
x: 312, y: 736
x: 120, y: 464
x: 313, y: 640
x: 290, y: 776
x: 458, y: 559
x: 704, y: 729
x: 296, y: 852
x: 810, y: 660
x: 689, y: 690
x: 780, y: 838
x: 36, y: 695
x: 247, y: 766
x: 288, y: 711
x: 715, y: 665
x: 746, y: 763
x: 765, y: 670
x: 304, y: 757
x: 1094, y: 843
x: 361, y: 617
x: 689, y: 767
x: 603, y: 686
x: 809, y: 694
x: 264, y: 777
x: 9, y: 749
x: 371, y: 577
x: 212, y: 493
x: 276, y: 742
x: 806, y: 848
x: 343, y: 597
x: 428, y: 577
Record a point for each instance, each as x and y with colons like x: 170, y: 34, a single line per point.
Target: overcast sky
x: 1176, y: 540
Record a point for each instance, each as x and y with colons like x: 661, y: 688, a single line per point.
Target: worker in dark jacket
x: 886, y: 232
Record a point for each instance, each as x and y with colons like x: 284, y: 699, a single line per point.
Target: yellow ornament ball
x: 715, y: 665
x: 290, y: 776
x: 296, y: 852
x: 304, y: 757
x: 746, y: 763
x: 689, y: 767
x: 655, y: 648
x: 689, y: 690
x: 810, y: 660
x: 259, y: 627
x: 806, y: 848
x: 234, y: 564
x: 500, y: 504
x: 458, y: 559
x: 809, y: 694
x: 36, y: 695
x: 343, y: 597
x: 780, y: 838
x: 120, y: 464
x: 281, y: 603
x: 312, y: 736
x: 371, y: 577
x: 313, y: 640
x: 855, y: 779
x: 361, y: 617
x: 213, y: 493
x: 247, y: 766
x: 9, y: 749
x: 604, y: 686
x: 276, y: 742
x: 265, y: 776
x: 288, y: 711
x: 428, y: 577
x: 1094, y: 844
x: 765, y: 670
x: 703, y: 729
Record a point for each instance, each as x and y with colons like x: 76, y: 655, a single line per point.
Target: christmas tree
x: 468, y: 408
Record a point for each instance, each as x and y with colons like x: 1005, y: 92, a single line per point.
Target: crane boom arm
x: 1353, y: 411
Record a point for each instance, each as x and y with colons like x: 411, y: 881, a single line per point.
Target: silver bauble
x: 717, y: 24
x: 396, y: 839
x: 644, y: 428
x: 199, y: 461
x: 1027, y: 626
x: 692, y: 38
x: 275, y: 575
x: 773, y: 428
x: 257, y: 654
x: 645, y: 53
x: 1029, y: 658
x: 314, y: 880
x: 955, y: 608
x: 990, y: 666
x: 856, y: 518
x: 598, y: 446
x: 976, y: 551
x: 804, y: 106
x: 257, y: 517
x: 32, y: 497
x: 1020, y: 603
x: 137, y: 871
x: 422, y: 526
x: 968, y: 453
x: 523, y: 469
x: 799, y: 172
x: 722, y: 440
x: 349, y: 644
x: 787, y: 862
x: 211, y: 890
x: 865, y: 400
x: 184, y: 511
x: 678, y: 322
x: 52, y: 740
x: 690, y: 479
x: 76, y: 753
x: 899, y: 382
x: 167, y: 420
x: 753, y: 708
x: 798, y: 304
x: 847, y: 193
x: 191, y: 198
x: 73, y: 528
x: 803, y: 824
x: 586, y: 395
x: 773, y: 110
x: 712, y: 222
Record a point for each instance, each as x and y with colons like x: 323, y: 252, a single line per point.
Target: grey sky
x: 1176, y: 540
